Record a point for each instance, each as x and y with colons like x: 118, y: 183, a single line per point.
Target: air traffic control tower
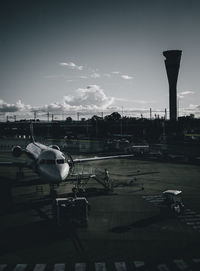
x: 172, y: 64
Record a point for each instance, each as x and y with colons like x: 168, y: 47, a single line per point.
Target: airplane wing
x: 13, y: 164
x: 81, y: 160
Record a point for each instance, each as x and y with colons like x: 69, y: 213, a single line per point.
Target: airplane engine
x: 55, y: 147
x: 17, y: 151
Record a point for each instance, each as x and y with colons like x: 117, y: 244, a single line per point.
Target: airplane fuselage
x: 47, y: 162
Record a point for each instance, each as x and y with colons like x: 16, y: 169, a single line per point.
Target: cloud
x: 92, y: 73
x: 194, y: 106
x: 18, y: 106
x: 181, y: 95
x: 107, y: 75
x: 115, y: 72
x: 54, y: 76
x: 95, y: 75
x: 126, y: 77
x: 90, y: 98
x: 134, y: 101
x: 53, y: 107
x: 186, y: 93
x: 191, y: 109
x: 71, y: 65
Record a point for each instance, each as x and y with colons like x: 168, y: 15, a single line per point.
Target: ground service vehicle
x: 173, y: 200
x: 71, y: 211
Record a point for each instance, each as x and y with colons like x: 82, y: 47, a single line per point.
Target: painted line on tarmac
x: 191, y: 218
x: 39, y: 267
x: 162, y: 267
x: 59, y: 267
x: 193, y: 223
x: 80, y: 267
x: 175, y: 264
x: 120, y: 266
x: 152, y: 197
x: 186, y: 215
x: 100, y: 267
x: 197, y: 219
x: 181, y: 264
x: 155, y: 201
x: 138, y: 264
x: 190, y: 223
x: 20, y: 267
x: 189, y: 214
x: 188, y: 211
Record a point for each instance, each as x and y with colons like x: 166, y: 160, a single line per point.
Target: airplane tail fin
x: 31, y: 129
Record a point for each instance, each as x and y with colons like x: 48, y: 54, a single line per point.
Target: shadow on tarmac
x: 135, y: 174
x: 139, y: 224
x: 91, y: 192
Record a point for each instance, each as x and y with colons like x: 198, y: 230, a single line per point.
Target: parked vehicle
x: 71, y: 211
x: 173, y: 201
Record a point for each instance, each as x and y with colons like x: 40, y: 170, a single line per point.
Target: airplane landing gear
x: 80, y: 185
x: 77, y: 190
x: 53, y: 192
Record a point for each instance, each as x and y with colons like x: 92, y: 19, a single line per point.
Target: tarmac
x: 126, y: 231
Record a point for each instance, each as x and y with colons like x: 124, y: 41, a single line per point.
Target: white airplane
x: 49, y: 162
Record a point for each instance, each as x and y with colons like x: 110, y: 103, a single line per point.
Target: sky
x: 96, y: 56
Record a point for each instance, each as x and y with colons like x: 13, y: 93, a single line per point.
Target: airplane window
x: 49, y: 162
x: 60, y: 161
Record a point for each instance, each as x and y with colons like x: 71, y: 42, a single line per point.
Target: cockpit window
x: 48, y: 162
x: 60, y: 161
x: 42, y: 161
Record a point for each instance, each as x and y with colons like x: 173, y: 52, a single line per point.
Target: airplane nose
x: 56, y: 173
x: 57, y: 176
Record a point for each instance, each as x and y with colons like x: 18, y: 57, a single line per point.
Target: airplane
x: 49, y: 162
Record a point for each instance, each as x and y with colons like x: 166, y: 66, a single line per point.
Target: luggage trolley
x: 71, y: 211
